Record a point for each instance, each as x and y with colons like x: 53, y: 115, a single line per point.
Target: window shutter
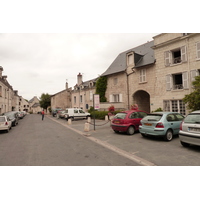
x: 185, y: 80
x: 183, y: 54
x: 168, y: 82
x: 167, y: 58
x: 198, y: 50
x: 111, y: 98
x: 193, y: 73
x: 120, y: 98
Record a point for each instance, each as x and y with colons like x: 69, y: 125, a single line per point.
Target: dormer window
x: 130, y: 58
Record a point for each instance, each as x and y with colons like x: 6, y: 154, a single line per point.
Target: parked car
x: 190, y: 129
x: 61, y: 114
x: 13, y: 116
x: 20, y: 114
x: 76, y: 113
x: 5, y: 123
x: 55, y: 111
x: 127, y: 121
x: 165, y: 124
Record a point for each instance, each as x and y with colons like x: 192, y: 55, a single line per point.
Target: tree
x: 45, y: 101
x: 193, y: 99
x: 101, y: 87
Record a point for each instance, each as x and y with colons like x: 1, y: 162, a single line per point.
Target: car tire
x: 131, y: 130
x: 169, y: 135
x: 184, y: 144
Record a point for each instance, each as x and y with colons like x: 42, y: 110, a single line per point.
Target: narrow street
x: 46, y: 143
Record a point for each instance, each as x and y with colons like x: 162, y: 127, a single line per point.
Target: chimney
x: 66, y: 85
x: 1, y: 70
x: 79, y: 78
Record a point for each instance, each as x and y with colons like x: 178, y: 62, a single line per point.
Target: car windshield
x: 153, y: 117
x: 193, y: 118
x: 120, y: 116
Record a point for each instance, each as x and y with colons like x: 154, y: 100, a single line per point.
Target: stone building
x: 177, y: 63
x: 82, y: 95
x: 62, y: 99
x: 127, y: 80
x: 8, y: 97
x: 34, y: 105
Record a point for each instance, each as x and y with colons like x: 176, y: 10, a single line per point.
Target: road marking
x: 121, y: 152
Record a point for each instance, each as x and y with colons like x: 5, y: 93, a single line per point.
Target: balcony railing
x: 178, y: 87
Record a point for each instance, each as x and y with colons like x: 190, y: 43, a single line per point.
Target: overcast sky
x: 37, y: 63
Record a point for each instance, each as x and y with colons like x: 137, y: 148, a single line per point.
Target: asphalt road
x: 34, y: 142
x: 148, y: 151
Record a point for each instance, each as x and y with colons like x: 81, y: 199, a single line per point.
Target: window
x: 142, y: 75
x: 130, y: 59
x: 177, y: 81
x: 116, y: 98
x: 0, y: 91
x: 74, y: 99
x: 194, y: 73
x: 81, y: 98
x: 174, y: 106
x: 198, y: 50
x: 175, y: 56
x: 91, y: 96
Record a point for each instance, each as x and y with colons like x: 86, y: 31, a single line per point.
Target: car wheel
x: 184, y: 144
x: 131, y: 130
x: 7, y: 130
x: 168, y: 135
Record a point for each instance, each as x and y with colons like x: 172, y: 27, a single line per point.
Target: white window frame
x: 168, y: 56
x: 142, y: 78
x: 115, y: 98
x: 91, y: 96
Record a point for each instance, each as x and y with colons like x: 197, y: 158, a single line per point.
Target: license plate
x: 147, y: 124
x: 194, y: 129
x: 116, y: 122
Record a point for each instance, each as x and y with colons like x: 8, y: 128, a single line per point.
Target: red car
x: 127, y: 121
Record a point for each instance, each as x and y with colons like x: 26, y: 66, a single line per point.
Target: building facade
x: 177, y: 63
x: 62, y: 99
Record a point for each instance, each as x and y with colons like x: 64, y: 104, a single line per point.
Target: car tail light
x: 181, y: 126
x: 159, y: 125
x: 6, y: 123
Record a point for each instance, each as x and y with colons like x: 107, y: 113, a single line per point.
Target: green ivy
x: 101, y: 87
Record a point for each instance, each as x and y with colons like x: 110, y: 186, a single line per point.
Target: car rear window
x: 120, y: 116
x: 153, y: 117
x: 193, y: 118
x: 2, y: 119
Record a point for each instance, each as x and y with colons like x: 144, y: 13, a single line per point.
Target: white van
x: 76, y: 113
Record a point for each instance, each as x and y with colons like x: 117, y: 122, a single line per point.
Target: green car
x: 164, y: 124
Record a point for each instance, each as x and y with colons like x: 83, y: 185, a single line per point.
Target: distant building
x: 34, y: 105
x: 61, y: 99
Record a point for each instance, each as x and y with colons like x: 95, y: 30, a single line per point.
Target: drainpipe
x: 127, y: 78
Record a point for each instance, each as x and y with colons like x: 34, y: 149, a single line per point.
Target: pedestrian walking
x: 42, y: 114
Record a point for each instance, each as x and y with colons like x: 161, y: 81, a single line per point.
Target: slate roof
x: 143, y: 55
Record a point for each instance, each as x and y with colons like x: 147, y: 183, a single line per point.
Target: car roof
x: 130, y: 111
x: 165, y: 113
x: 196, y: 111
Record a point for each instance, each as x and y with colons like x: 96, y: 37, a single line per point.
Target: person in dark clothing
x: 42, y: 114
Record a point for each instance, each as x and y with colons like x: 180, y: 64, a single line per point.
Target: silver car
x: 190, y: 129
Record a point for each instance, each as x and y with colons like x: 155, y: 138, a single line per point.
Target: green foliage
x: 101, y: 114
x: 158, y: 110
x: 45, y: 101
x: 101, y: 87
x: 193, y: 99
